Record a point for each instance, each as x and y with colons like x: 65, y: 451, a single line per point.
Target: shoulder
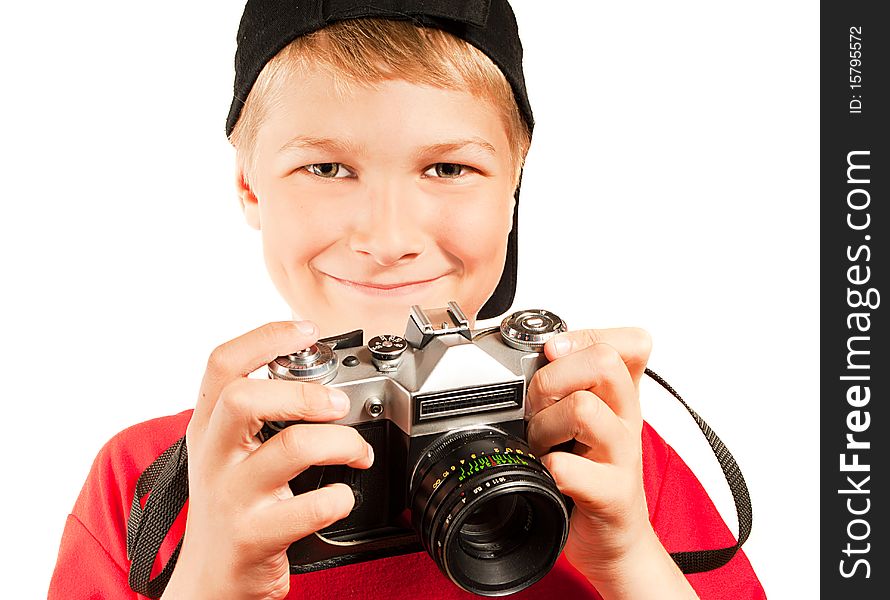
x: 104, y: 501
x: 138, y: 445
x: 92, y: 558
x: 685, y: 519
x: 671, y: 486
x: 123, y: 458
x: 656, y: 451
x: 658, y: 457
x: 680, y: 508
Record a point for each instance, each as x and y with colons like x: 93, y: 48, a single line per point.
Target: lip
x: 387, y: 289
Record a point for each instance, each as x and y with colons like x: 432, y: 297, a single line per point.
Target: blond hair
x: 368, y: 51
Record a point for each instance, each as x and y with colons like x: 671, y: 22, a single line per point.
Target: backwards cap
x: 267, y: 26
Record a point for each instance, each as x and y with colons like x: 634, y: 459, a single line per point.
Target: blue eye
x: 447, y: 170
x: 328, y: 170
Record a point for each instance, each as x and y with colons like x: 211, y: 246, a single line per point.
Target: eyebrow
x: 333, y: 145
x: 469, y: 143
x: 307, y: 141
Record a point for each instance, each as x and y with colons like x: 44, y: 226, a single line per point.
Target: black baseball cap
x: 267, y: 26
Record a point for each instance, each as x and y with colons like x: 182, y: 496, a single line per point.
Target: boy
x: 363, y: 145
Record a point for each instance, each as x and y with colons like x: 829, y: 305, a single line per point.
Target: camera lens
x: 487, y: 511
x: 497, y: 527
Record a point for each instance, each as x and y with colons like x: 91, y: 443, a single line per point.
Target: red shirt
x: 92, y: 560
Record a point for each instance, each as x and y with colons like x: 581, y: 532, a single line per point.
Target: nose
x: 389, y: 228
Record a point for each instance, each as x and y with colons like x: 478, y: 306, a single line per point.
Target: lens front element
x: 488, y: 512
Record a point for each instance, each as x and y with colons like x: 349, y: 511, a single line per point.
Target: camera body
x: 444, y: 409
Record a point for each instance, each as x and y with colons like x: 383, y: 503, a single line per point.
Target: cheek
x: 479, y: 239
x: 294, y: 232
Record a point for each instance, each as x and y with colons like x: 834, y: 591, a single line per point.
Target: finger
x: 245, y: 354
x: 245, y: 404
x: 289, y: 520
x: 292, y: 450
x: 598, y: 368
x: 584, y: 417
x: 585, y: 481
x: 632, y: 343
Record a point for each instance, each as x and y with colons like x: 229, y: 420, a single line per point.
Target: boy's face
x: 380, y: 199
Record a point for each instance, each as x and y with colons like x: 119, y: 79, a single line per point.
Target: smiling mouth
x: 386, y: 288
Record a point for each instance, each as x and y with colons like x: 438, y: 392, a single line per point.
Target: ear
x: 248, y: 200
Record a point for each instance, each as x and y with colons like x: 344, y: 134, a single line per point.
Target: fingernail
x: 305, y: 327
x: 561, y: 346
x: 371, y: 453
x: 339, y: 400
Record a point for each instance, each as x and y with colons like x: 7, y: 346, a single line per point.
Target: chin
x: 344, y: 308
x: 395, y: 321
x: 389, y: 317
x: 341, y: 317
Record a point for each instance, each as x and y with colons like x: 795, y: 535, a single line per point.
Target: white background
x: 671, y: 184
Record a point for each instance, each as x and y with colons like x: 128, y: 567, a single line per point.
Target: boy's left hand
x: 589, y: 392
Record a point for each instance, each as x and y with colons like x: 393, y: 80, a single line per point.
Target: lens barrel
x: 487, y: 511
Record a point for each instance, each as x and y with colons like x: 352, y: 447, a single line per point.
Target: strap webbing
x: 696, y: 561
x: 167, y: 481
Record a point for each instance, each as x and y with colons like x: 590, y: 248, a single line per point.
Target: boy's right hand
x: 242, y: 515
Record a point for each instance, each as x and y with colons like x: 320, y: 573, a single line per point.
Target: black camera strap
x: 165, y: 482
x: 696, y: 561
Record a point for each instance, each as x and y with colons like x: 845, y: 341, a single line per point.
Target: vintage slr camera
x: 443, y: 407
